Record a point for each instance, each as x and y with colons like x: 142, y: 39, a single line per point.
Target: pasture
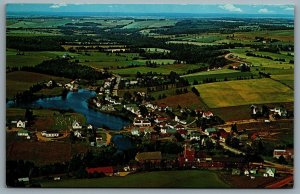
x: 31, y: 58
x: 219, y: 75
x: 244, y: 92
x: 189, y: 100
x: 263, y: 62
x: 150, y: 24
x: 19, y: 81
x: 164, y: 69
x: 160, y: 179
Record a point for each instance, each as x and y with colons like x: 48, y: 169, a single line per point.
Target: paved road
x: 116, y: 87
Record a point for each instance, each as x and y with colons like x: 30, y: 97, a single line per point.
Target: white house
x: 76, y: 125
x: 270, y: 171
x: 89, y: 127
x: 23, y: 133
x: 49, y: 83
x: 77, y: 134
x: 135, y: 132
x: 21, y: 124
x: 51, y: 134
x: 141, y: 123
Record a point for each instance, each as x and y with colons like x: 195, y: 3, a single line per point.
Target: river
x: 77, y: 101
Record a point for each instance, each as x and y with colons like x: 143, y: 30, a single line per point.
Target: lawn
x: 163, y: 179
x: 19, y: 81
x: 243, y: 92
x: 164, y: 69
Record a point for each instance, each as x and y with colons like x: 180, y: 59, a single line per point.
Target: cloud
x: 58, y: 5
x: 289, y: 9
x: 230, y: 7
x: 264, y: 10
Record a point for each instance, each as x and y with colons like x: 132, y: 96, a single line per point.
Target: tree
x: 234, y: 128
x: 29, y: 116
x: 282, y: 160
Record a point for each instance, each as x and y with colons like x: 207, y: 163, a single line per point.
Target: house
x: 210, y: 131
x: 89, y: 127
x: 207, y: 114
x: 179, y: 127
x: 49, y: 83
x: 135, y: 131
x: 246, y: 172
x: 286, y: 153
x: 76, y: 125
x: 141, y: 123
x: 160, y: 119
x: 153, y: 157
x: 187, y: 157
x: 77, y: 134
x: 168, y: 129
x: 50, y: 134
x: 279, y: 111
x: 21, y: 124
x: 270, y: 171
x: 23, y: 179
x: 223, y: 135
x: 195, y: 136
x: 236, y: 171
x: 108, y: 170
x: 180, y: 121
x: 23, y: 133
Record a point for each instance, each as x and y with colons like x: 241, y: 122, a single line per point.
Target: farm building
x: 76, y: 125
x: 21, y: 124
x: 153, y: 157
x: 108, y: 171
x: 23, y: 133
x: 286, y: 153
x: 141, y: 123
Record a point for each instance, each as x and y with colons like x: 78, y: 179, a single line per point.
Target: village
x: 199, y: 140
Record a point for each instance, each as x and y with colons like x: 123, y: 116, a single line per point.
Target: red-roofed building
x: 207, y: 114
x: 223, y: 135
x: 160, y: 119
x: 187, y: 158
x: 108, y: 170
x: 288, y: 154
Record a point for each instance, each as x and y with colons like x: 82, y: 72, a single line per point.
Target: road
x: 231, y: 59
x: 116, y: 87
x: 281, y: 183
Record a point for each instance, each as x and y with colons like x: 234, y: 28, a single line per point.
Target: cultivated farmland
x: 242, y: 92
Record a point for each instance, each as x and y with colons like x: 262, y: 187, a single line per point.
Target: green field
x: 243, y: 92
x: 164, y: 69
x: 150, y: 24
x: 164, y: 179
x: 31, y: 58
x: 287, y: 79
x: 204, y: 38
x: 19, y: 81
x: 263, y: 62
x: 220, y: 75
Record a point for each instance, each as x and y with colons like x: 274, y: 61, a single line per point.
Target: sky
x: 155, y: 8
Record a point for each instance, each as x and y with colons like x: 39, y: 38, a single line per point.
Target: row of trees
x: 65, y: 68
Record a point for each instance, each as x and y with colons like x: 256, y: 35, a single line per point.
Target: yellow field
x: 243, y: 92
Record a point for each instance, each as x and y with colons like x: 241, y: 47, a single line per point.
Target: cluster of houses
x: 72, y: 86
